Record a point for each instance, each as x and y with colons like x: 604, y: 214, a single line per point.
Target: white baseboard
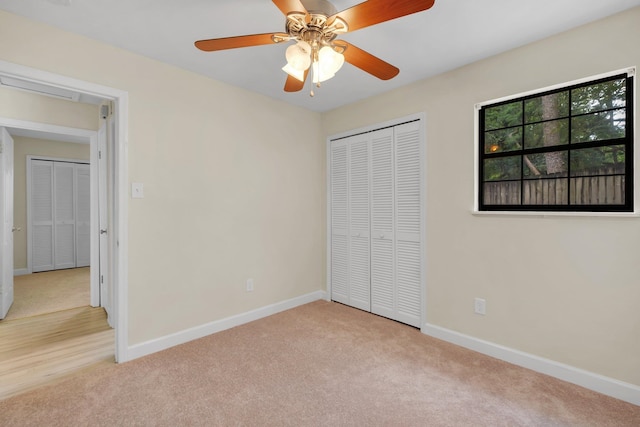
x: 599, y: 383
x: 163, y: 343
x: 21, y: 271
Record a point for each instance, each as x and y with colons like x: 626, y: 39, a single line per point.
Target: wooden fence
x: 604, y: 187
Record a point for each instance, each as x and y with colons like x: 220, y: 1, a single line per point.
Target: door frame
x: 118, y: 264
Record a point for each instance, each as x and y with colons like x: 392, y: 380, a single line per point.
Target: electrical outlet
x: 480, y: 306
x: 249, y: 285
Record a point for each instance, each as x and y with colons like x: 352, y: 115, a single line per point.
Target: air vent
x: 38, y: 88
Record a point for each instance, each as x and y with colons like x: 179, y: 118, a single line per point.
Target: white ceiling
x: 449, y: 35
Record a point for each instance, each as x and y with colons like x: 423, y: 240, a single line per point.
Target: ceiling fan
x: 315, y: 25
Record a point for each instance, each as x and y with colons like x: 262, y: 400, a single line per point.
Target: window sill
x: 538, y: 214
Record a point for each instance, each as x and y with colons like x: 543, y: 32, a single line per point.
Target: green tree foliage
x: 566, y: 119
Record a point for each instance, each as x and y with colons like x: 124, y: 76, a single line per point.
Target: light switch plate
x: 137, y: 190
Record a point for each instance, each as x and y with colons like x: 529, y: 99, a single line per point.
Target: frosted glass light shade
x: 320, y: 74
x: 299, y: 55
x: 330, y: 60
x: 294, y: 72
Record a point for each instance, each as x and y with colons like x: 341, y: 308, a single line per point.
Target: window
x: 568, y: 149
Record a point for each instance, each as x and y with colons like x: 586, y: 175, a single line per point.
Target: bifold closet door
x: 359, y: 227
x: 339, y: 222
x: 60, y: 215
x: 376, y: 217
x: 383, y: 290
x: 408, y: 223
x: 83, y: 216
x: 65, y: 215
x: 396, y: 223
x: 350, y: 228
x: 42, y: 226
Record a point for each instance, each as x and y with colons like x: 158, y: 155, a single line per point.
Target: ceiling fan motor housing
x: 319, y: 7
x: 314, y: 27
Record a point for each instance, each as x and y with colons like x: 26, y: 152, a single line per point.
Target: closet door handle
x: 382, y: 236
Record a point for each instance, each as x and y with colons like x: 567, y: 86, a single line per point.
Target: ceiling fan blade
x: 373, y: 12
x: 369, y: 63
x: 239, y: 41
x: 294, y: 85
x: 288, y: 6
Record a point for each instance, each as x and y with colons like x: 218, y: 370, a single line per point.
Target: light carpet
x: 321, y: 364
x: 49, y: 291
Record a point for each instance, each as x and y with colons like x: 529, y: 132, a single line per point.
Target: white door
x: 377, y: 195
x: 339, y: 223
x: 83, y: 215
x: 6, y: 222
x: 103, y: 220
x: 42, y: 218
x: 350, y: 222
x: 359, y: 167
x: 65, y: 215
x: 383, y: 290
x: 408, y: 223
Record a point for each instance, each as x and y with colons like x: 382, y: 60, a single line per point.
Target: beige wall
x: 562, y: 288
x: 229, y: 193
x: 24, y: 147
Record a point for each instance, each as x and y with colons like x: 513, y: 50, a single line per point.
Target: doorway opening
x: 114, y: 230
x: 52, y: 221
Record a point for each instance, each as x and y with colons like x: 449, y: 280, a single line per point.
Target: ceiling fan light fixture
x: 320, y: 73
x: 294, y: 72
x: 315, y: 26
x: 299, y: 55
x: 330, y: 60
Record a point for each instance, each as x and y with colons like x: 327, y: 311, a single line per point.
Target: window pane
x: 503, y: 168
x: 598, y: 161
x: 599, y: 126
x: 552, y: 106
x: 503, y: 140
x: 545, y: 191
x: 599, y: 97
x: 547, y: 134
x: 503, y: 116
x: 598, y: 190
x: 502, y: 193
x: 544, y: 165
x: 563, y: 149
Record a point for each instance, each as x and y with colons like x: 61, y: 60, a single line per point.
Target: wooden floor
x: 38, y: 350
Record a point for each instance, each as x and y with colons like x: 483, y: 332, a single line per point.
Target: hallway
x: 49, y: 291
x: 41, y: 349
x: 51, y: 331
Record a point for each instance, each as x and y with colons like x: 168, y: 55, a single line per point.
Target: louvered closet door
x: 42, y: 216
x: 383, y: 294
x: 376, y: 214
x: 83, y: 216
x: 339, y: 222
x: 359, y: 228
x: 408, y: 216
x: 64, y: 209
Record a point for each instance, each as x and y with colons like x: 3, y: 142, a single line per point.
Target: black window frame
x: 627, y: 141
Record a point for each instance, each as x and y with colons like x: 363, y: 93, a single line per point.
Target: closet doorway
x: 376, y: 219
x: 58, y: 213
